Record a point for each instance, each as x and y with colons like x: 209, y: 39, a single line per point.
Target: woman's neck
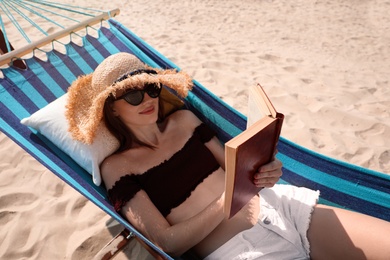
x: 148, y: 134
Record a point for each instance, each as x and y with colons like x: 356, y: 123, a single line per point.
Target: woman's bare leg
x: 340, y: 234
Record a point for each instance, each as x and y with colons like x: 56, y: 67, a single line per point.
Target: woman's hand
x: 268, y: 174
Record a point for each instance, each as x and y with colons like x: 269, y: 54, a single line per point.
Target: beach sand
x: 324, y: 64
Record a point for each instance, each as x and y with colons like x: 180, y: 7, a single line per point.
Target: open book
x: 249, y: 150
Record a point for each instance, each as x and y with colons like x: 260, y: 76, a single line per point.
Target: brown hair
x: 117, y: 128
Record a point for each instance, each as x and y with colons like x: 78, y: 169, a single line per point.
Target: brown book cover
x: 246, y: 152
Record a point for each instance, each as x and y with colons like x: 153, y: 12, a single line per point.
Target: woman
x: 167, y: 178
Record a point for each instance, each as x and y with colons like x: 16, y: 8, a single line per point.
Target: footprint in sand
x: 384, y: 161
x: 18, y: 201
x: 269, y: 57
x: 6, y: 216
x: 290, y: 68
x: 316, y: 139
x: 372, y: 133
x: 307, y: 81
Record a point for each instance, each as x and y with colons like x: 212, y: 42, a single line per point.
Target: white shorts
x: 280, y: 233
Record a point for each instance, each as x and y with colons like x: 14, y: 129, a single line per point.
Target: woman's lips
x: 148, y: 110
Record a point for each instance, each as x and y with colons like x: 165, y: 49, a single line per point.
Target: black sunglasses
x: 136, y: 96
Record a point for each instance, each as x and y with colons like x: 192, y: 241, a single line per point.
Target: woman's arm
x: 173, y: 239
x: 145, y: 217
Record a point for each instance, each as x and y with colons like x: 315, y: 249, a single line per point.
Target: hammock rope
x: 39, y: 14
x: 7, y: 45
x: 18, y: 11
x: 13, y: 21
x: 48, y: 13
x: 67, y: 7
x: 12, y: 55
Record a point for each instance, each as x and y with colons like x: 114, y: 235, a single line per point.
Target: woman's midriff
x: 244, y: 219
x: 206, y: 192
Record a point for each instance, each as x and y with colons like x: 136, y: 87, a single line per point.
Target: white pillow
x: 50, y: 121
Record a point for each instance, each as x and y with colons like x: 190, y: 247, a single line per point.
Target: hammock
x: 23, y: 92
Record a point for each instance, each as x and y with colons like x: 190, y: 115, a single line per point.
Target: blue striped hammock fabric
x: 23, y: 92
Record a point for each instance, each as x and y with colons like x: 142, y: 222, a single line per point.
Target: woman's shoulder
x: 115, y: 166
x: 185, y: 117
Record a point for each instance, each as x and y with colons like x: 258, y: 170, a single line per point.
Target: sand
x: 324, y: 64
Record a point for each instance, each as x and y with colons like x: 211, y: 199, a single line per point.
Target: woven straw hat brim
x: 84, y: 110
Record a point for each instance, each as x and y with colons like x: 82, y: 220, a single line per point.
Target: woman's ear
x: 113, y: 110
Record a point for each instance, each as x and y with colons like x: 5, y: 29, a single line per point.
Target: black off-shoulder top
x: 170, y: 183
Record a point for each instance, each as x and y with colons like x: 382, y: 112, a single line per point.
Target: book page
x: 257, y: 108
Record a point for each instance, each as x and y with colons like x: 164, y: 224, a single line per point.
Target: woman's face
x: 136, y: 115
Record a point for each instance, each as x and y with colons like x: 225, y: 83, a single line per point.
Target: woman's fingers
x: 269, y: 174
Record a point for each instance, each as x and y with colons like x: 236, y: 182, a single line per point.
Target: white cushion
x: 50, y: 121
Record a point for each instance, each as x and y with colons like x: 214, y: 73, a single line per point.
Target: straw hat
x: 87, y: 94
